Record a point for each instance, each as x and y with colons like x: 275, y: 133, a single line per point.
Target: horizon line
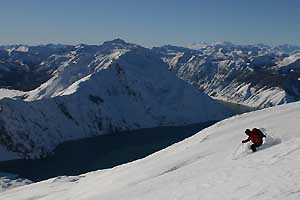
x: 152, y: 46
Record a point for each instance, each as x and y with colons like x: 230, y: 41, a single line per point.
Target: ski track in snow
x: 200, y: 167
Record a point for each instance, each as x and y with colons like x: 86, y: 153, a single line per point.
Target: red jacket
x: 256, y: 137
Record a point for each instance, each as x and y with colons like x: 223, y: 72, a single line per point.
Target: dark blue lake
x: 106, y: 151
x: 101, y: 152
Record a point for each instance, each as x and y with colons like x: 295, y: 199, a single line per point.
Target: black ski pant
x: 254, y: 146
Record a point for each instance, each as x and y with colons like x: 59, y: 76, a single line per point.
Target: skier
x: 255, y: 136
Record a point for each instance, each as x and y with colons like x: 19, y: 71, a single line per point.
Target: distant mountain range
x: 73, y: 92
x: 254, y: 75
x: 285, y: 48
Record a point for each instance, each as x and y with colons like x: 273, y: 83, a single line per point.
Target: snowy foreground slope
x: 9, y: 181
x: 204, y: 166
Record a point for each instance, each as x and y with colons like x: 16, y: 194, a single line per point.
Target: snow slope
x: 9, y: 181
x: 204, y: 166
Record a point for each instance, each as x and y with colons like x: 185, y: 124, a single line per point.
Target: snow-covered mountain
x: 209, y: 165
x: 254, y: 75
x: 285, y: 48
x: 288, y: 48
x: 96, y: 90
x: 22, y: 68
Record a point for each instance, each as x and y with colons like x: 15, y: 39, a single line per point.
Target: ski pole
x: 234, y: 153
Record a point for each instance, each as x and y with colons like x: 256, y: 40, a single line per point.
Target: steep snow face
x: 77, y: 64
x: 74, y: 67
x: 210, y: 165
x: 102, y: 92
x: 256, y: 76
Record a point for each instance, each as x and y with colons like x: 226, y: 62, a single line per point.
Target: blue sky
x: 149, y: 22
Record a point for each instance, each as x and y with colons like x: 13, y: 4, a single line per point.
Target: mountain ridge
x: 114, y: 88
x: 243, y: 74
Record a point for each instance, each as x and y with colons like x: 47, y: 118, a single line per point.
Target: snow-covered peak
x: 224, y: 43
x: 197, y: 46
x: 117, y: 41
x: 204, y: 45
x: 118, y: 44
x: 22, y: 49
x: 80, y: 63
